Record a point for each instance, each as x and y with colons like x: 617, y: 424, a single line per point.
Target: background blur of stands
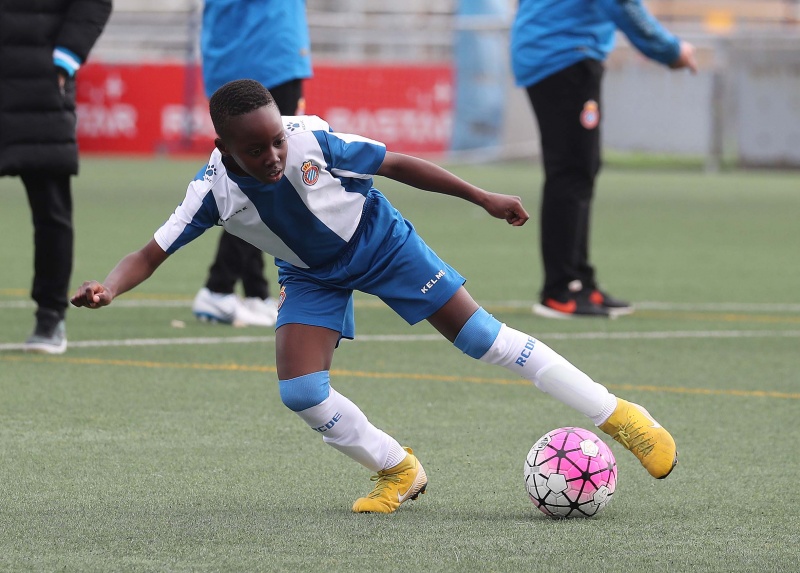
x: 432, y: 77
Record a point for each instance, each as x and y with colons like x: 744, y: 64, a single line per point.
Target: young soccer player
x: 304, y: 194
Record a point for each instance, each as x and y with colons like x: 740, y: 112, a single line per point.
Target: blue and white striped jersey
x: 306, y: 219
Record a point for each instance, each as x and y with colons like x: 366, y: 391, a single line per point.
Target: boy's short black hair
x: 236, y: 98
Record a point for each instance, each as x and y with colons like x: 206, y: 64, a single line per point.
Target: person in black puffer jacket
x: 42, y: 45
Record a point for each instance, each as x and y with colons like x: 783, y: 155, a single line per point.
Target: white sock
x: 551, y: 373
x: 345, y: 427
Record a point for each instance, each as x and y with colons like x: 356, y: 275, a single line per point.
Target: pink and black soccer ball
x: 570, y: 472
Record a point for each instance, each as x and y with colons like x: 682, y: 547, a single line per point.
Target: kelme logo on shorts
x: 310, y: 172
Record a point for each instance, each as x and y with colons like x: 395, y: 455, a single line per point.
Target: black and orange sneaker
x: 615, y: 306
x: 574, y: 306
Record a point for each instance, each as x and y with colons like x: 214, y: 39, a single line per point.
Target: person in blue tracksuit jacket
x: 557, y: 52
x: 267, y: 41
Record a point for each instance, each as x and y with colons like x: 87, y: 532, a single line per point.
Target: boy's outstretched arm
x: 425, y: 175
x: 132, y: 270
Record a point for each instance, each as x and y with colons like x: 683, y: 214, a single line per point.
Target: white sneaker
x: 215, y: 307
x: 262, y: 312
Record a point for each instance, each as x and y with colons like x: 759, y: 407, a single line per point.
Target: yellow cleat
x: 634, y: 427
x: 395, y: 485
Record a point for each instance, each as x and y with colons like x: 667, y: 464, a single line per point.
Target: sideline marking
x: 383, y: 375
x: 663, y: 335
x: 135, y: 300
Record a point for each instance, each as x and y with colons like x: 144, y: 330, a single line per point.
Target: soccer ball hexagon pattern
x: 570, y: 472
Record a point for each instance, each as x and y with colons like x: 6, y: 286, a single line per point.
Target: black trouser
x: 236, y: 258
x: 570, y: 137
x: 50, y: 199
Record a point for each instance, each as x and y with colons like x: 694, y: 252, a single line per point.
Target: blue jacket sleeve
x: 642, y: 29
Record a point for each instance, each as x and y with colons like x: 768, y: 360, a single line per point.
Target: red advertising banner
x: 161, y: 108
x: 409, y: 108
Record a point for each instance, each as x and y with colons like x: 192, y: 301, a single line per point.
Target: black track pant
x: 50, y: 199
x: 237, y: 259
x: 568, y: 108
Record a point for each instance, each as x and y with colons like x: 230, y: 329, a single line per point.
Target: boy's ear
x: 223, y: 149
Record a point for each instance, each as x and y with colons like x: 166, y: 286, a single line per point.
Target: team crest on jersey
x: 211, y: 170
x: 590, y: 116
x: 310, y: 172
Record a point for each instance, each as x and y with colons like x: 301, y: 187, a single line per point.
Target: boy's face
x: 257, y: 143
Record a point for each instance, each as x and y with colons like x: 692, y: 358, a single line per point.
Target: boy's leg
x: 227, y: 266
x: 254, y: 283
x: 304, y: 356
x: 483, y: 337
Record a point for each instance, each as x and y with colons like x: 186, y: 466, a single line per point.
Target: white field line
x: 666, y: 335
x: 647, y: 305
x: 688, y: 306
x: 657, y: 335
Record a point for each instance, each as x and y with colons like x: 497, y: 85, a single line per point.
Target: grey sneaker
x: 47, y: 340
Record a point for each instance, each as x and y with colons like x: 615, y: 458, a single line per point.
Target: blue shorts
x: 385, y: 258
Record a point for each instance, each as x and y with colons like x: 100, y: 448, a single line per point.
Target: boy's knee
x: 306, y: 391
x: 478, y: 334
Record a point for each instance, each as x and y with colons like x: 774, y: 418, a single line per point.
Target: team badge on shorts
x: 590, y: 116
x: 310, y: 172
x: 281, y: 297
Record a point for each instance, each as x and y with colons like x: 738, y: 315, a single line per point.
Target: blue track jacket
x: 550, y: 35
x: 263, y: 40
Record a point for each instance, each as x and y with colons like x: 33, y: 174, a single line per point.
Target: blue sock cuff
x: 478, y: 334
x: 305, y: 391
